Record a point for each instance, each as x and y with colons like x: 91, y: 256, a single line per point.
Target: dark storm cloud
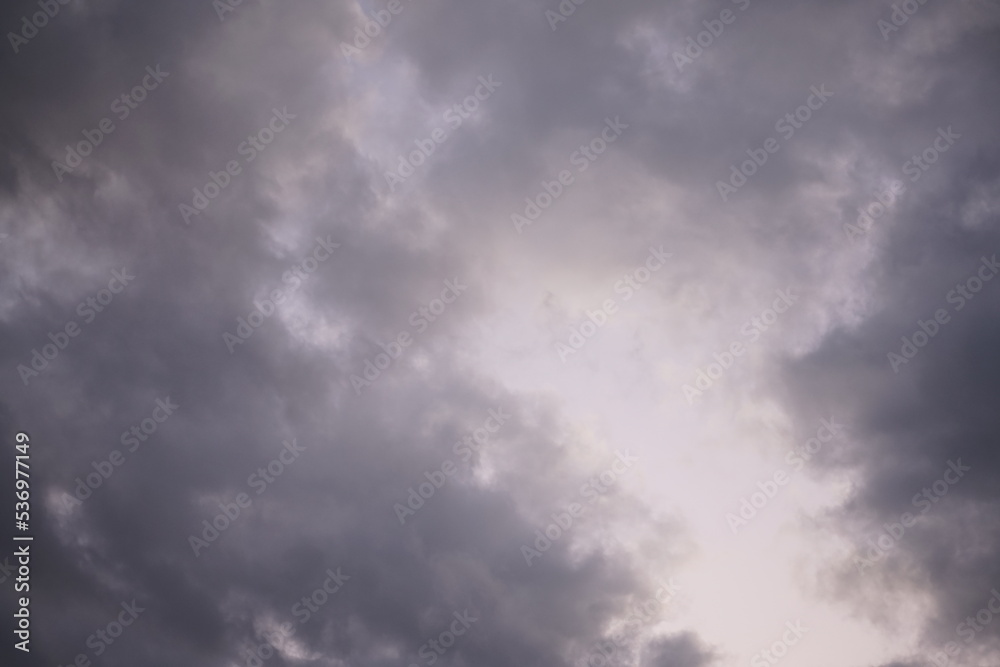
x: 161, y: 337
x: 332, y: 506
x: 909, y: 422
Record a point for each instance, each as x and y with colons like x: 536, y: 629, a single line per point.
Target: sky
x: 491, y: 334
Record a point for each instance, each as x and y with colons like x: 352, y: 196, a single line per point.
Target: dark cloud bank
x: 311, y: 217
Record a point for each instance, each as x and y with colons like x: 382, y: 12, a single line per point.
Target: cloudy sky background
x: 497, y: 346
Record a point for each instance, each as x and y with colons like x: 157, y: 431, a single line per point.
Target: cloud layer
x: 456, y: 333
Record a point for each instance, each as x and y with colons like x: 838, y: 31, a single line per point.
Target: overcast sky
x: 532, y: 333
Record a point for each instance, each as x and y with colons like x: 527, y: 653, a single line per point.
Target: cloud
x: 121, y: 120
